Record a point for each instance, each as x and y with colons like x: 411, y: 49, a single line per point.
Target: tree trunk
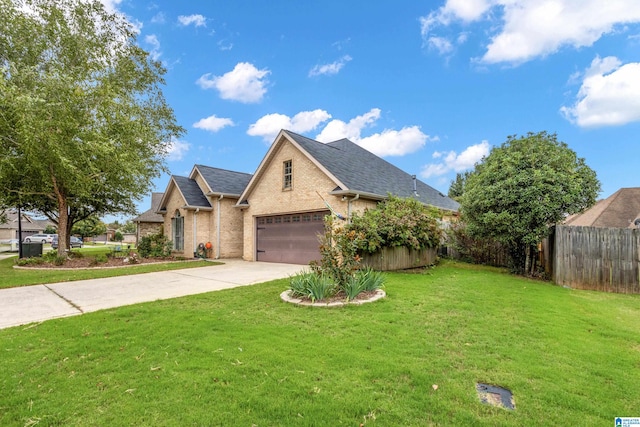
x: 63, y: 219
x: 527, y: 261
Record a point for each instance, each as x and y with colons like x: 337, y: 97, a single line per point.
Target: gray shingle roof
x: 224, y: 181
x: 364, y: 172
x: 191, y: 191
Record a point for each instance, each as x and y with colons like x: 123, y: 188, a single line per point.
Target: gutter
x: 218, y: 228
x: 357, y: 196
x: 195, y: 230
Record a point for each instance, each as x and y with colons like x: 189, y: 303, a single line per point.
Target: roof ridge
x: 220, y: 169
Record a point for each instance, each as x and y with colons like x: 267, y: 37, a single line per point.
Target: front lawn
x: 11, y: 277
x: 242, y: 357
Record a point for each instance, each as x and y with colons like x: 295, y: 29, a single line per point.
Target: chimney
x: 415, y: 186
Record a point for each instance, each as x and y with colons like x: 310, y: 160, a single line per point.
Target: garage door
x: 290, y: 238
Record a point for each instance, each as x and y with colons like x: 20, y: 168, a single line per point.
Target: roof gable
x: 189, y: 190
x: 221, y: 181
x: 618, y: 210
x: 152, y: 214
x: 298, y: 141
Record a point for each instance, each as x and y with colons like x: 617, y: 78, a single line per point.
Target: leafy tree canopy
x: 84, y: 126
x: 50, y: 229
x: 456, y: 189
x: 524, y: 186
x: 89, y: 227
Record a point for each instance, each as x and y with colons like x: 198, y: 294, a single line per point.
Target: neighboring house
x: 620, y: 210
x: 277, y: 213
x: 149, y: 222
x: 29, y: 225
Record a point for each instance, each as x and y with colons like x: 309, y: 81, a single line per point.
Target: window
x: 177, y: 225
x: 287, y: 176
x: 295, y: 218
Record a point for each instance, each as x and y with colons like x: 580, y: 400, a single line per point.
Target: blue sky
x: 430, y: 86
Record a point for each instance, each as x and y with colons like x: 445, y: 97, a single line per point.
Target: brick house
x: 149, y: 222
x: 276, y: 214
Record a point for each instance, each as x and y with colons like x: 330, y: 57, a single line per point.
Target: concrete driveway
x: 19, y: 306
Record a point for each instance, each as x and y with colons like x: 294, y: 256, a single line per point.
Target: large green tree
x: 84, y: 125
x: 522, y: 188
x: 456, y: 188
x: 89, y: 227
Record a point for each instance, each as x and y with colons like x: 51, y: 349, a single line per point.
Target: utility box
x: 31, y: 249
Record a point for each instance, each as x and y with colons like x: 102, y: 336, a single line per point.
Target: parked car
x: 43, y: 238
x: 74, y: 243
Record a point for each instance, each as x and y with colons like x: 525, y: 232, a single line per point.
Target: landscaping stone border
x: 286, y: 297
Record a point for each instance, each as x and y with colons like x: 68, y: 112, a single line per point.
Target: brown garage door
x: 290, y: 238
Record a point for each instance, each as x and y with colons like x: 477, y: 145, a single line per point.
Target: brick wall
x: 268, y: 197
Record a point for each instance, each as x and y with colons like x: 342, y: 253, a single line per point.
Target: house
x: 149, y: 222
x: 620, y: 210
x: 29, y: 225
x: 277, y: 213
x: 200, y: 209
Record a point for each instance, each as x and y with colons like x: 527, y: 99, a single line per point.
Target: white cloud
x: 213, y: 123
x: 177, y: 150
x: 268, y: 126
x: 155, y: 51
x: 389, y: 142
x: 329, y: 69
x: 441, y: 44
x: 609, y: 95
x: 534, y: 28
x: 395, y: 142
x: 337, y: 129
x: 451, y: 161
x: 245, y: 83
x: 196, y: 20
x: 158, y: 18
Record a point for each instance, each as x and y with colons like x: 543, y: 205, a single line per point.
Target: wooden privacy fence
x: 600, y: 259
x: 399, y: 258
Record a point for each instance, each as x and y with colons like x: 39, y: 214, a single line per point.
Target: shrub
x: 53, y: 258
x: 99, y: 259
x: 339, y: 268
x: 29, y: 261
x: 397, y: 222
x: 370, y: 279
x: 313, y: 286
x: 156, y: 245
x: 365, y: 280
x: 339, y: 253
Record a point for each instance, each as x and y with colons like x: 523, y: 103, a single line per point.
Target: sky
x: 430, y: 86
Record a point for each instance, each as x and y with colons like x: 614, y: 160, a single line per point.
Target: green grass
x: 242, y: 357
x: 11, y: 277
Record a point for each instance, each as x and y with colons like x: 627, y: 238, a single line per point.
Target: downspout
x: 218, y: 229
x: 195, y: 229
x: 349, y: 206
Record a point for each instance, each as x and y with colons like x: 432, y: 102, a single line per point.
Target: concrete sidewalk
x: 19, y: 306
